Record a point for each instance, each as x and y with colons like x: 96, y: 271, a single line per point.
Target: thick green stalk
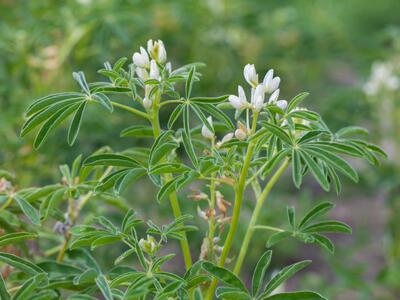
x: 239, y: 192
x: 172, y: 197
x: 211, y: 230
x: 255, y: 215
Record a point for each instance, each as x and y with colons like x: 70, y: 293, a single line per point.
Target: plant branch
x: 172, y: 197
x: 255, y: 215
x: 131, y: 109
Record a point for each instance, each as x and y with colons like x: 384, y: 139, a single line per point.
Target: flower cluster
x: 269, y: 85
x: 147, y: 65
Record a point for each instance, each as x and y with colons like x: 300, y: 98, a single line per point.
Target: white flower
x: 270, y: 82
x: 201, y: 213
x: 157, y: 51
x: 154, y: 71
x: 282, y: 104
x: 142, y: 73
x: 274, y: 97
x: 205, y: 132
x: 257, y: 97
x: 250, y: 75
x: 239, y: 102
x: 141, y: 59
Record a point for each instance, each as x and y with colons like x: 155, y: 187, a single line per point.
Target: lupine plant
x: 242, y: 143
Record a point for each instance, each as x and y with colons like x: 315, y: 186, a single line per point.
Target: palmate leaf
x: 30, y: 285
x: 28, y: 209
x: 111, y: 159
x: 102, y: 284
x: 296, y: 100
x: 315, y: 212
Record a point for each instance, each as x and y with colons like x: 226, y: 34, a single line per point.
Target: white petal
x: 234, y: 101
x: 205, y: 132
x: 227, y: 137
x: 274, y: 97
x: 242, y: 96
x: 154, y: 72
x: 275, y: 83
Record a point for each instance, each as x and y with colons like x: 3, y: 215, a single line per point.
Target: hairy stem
x: 239, y: 192
x: 255, y: 215
x: 173, y: 199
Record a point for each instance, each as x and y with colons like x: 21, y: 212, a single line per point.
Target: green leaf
x: 350, y: 131
x: 175, y: 115
x: 335, y: 162
x: 324, y: 242
x: 224, y: 275
x: 110, y: 159
x: 52, y: 122
x: 80, y: 78
x: 291, y: 217
x: 296, y: 168
x: 76, y: 123
x: 4, y: 295
x: 283, y: 275
x: 137, y: 130
x: 128, y: 178
x: 20, y: 263
x: 167, y: 189
x: 102, y: 284
x: 232, y: 294
x: 189, y: 82
x: 9, y: 238
x: 316, y: 170
x: 217, y: 113
x: 104, y: 101
x: 188, y: 145
x: 169, y: 168
x: 30, y: 285
x: 160, y: 141
x: 328, y: 226
x: 28, y: 209
x: 315, y: 212
x: 259, y: 271
x: 296, y: 100
x: 211, y: 100
x: 277, y: 237
x: 279, y: 132
x: 202, y: 117
x: 302, y: 295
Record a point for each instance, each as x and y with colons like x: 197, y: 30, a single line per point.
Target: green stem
x: 172, y: 197
x: 131, y: 109
x: 211, y: 231
x: 251, y: 227
x: 239, y: 192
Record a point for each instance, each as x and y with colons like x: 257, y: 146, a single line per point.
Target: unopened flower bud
x: 147, y: 103
x: 202, y: 214
x: 282, y: 104
x: 274, y: 97
x: 240, y: 134
x: 148, y: 245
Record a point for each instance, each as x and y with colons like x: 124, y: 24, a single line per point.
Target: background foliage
x: 323, y: 47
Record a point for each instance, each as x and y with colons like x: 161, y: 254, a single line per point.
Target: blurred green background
x: 325, y: 47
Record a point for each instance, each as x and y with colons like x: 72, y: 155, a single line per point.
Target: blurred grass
x: 323, y: 47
